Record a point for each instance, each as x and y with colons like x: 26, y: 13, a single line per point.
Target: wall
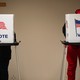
x: 38, y: 25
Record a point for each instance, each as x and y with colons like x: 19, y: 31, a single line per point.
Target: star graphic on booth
x: 2, y: 25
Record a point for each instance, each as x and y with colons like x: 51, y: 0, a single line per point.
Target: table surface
x: 67, y: 43
x: 10, y: 44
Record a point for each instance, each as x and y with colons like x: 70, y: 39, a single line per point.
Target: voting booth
x: 72, y: 22
x: 7, y: 37
x: 72, y: 28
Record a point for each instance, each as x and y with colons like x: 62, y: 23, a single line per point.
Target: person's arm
x: 64, y: 30
x: 14, y: 37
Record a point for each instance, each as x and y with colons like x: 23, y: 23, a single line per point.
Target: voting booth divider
x: 6, y: 28
x: 8, y: 36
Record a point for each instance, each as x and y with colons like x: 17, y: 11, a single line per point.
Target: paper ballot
x: 72, y: 28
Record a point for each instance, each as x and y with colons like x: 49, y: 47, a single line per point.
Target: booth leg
x: 17, y: 61
x: 64, y: 65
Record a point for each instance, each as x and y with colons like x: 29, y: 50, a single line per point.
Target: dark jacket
x: 5, y: 53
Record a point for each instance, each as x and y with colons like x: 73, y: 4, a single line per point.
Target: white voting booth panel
x: 6, y: 28
x: 72, y: 28
x: 7, y: 38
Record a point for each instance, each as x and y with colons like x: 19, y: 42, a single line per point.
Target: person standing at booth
x: 73, y: 52
x: 5, y: 56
